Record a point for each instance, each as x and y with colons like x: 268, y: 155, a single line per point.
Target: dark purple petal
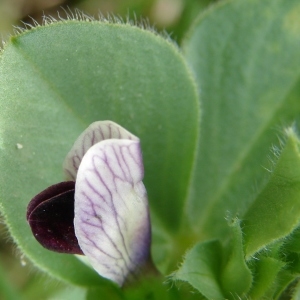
x: 51, y: 214
x: 48, y: 193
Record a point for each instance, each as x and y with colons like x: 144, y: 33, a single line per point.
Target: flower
x: 109, y: 220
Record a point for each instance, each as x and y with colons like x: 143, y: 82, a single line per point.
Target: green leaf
x: 292, y: 244
x: 148, y: 288
x: 296, y: 292
x: 275, y: 213
x: 292, y: 260
x: 246, y: 58
x: 55, y: 81
x: 285, y: 278
x: 266, y: 271
x: 236, y: 277
x: 201, y: 268
x: 156, y: 289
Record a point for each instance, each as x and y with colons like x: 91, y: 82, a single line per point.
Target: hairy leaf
x: 201, y: 269
x: 246, y: 58
x: 55, y: 81
x: 266, y: 271
x: 275, y: 213
x: 236, y: 277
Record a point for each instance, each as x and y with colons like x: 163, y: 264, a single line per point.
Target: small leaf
x: 292, y: 260
x: 147, y: 289
x: 265, y: 273
x: 156, y: 289
x: 201, y: 269
x: 236, y: 277
x: 296, y: 292
x: 275, y: 213
x: 285, y: 278
x: 292, y: 244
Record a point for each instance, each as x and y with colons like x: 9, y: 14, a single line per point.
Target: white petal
x: 111, y: 209
x: 96, y: 132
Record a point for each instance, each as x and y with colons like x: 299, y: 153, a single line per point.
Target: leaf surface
x: 275, y: 213
x: 201, y: 269
x: 236, y: 276
x: 58, y: 79
x: 246, y: 58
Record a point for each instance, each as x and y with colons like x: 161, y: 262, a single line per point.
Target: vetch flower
x: 109, y: 220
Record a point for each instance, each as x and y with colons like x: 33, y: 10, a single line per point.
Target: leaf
x: 55, y: 81
x: 292, y: 260
x: 236, y: 277
x: 201, y: 268
x: 285, y: 279
x: 148, y: 288
x: 275, y: 213
x: 266, y: 271
x: 296, y: 292
x: 292, y: 244
x: 155, y: 289
x: 246, y: 58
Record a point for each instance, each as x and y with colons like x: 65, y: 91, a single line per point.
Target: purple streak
x: 111, y: 209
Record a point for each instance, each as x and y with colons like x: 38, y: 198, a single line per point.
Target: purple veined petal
x: 95, y: 133
x: 112, y: 221
x: 50, y: 215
